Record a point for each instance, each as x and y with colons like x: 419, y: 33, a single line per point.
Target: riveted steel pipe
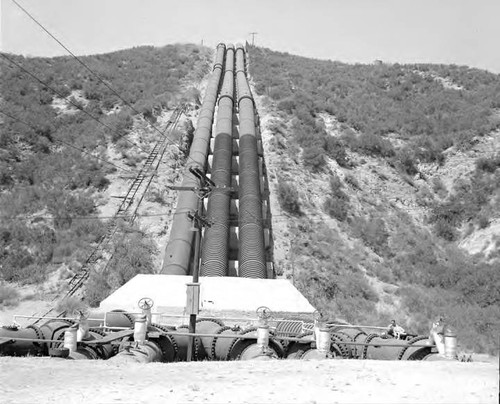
x: 16, y: 344
x: 252, y: 262
x: 207, y: 326
x: 180, y: 245
x: 221, y: 347
x: 214, y: 258
x: 349, y: 334
x: 240, y: 62
x: 49, y: 336
x: 393, y: 349
x: 147, y: 352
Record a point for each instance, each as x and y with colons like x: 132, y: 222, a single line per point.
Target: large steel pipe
x: 144, y: 353
x: 41, y: 341
x: 18, y: 342
x: 207, y: 326
x: 214, y: 259
x: 348, y: 334
x: 240, y: 62
x: 252, y: 262
x: 393, y: 349
x: 180, y: 245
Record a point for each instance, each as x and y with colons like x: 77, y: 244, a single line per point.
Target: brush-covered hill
x: 384, y: 178
x: 71, y: 143
x: 386, y: 185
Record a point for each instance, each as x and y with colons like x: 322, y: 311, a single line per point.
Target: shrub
x: 336, y: 150
x: 438, y: 187
x: 132, y: 255
x: 336, y: 208
x: 407, y: 161
x: 488, y: 164
x: 9, y: 296
x: 374, y: 145
x: 288, y: 197
x: 314, y: 158
x: 373, y: 232
x: 71, y: 306
x: 337, y: 203
x: 445, y: 229
x: 97, y: 289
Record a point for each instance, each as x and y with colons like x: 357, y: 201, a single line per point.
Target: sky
x: 462, y: 32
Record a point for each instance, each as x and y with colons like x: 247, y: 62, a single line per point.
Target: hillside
x: 384, y: 179
x: 70, y: 147
x: 386, y: 189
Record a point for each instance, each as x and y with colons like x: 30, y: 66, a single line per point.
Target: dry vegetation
x: 379, y: 175
x: 363, y: 161
x: 74, y: 147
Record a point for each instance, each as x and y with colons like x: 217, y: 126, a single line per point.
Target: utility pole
x: 199, y: 221
x: 253, y: 37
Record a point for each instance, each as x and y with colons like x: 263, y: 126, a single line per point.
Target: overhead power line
x: 82, y: 63
x: 96, y: 75
x: 71, y: 102
x: 67, y: 144
x: 279, y: 217
x: 93, y: 73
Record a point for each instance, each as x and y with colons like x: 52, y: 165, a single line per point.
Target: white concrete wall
x: 224, y: 294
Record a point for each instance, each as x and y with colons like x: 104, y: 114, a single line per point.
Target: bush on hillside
x: 337, y: 202
x: 9, y: 296
x: 488, y: 164
x: 384, y: 99
x: 467, y: 202
x: 288, y: 197
x: 314, y: 158
x: 47, y: 165
x: 133, y: 253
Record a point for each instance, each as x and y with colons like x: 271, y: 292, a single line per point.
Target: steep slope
x: 71, y: 145
x: 386, y: 189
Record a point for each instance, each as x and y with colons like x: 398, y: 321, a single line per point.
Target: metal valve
x: 145, y: 303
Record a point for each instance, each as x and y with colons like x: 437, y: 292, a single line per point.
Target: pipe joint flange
x: 38, y: 331
x: 367, y: 341
x: 339, y: 342
x: 214, y: 341
x: 410, y: 342
x: 167, y: 330
x: 213, y: 320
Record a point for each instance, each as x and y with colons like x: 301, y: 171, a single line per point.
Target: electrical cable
x: 81, y: 62
x: 93, y: 73
x: 72, y: 103
x: 285, y: 217
x: 89, y: 69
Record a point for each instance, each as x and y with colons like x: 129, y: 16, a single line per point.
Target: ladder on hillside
x: 99, y: 253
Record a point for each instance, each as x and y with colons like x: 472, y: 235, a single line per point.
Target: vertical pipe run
x: 140, y: 329
x: 214, y: 261
x: 252, y: 263
x: 180, y: 245
x: 70, y: 339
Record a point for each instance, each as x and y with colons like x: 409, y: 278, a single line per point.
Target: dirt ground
x: 46, y: 380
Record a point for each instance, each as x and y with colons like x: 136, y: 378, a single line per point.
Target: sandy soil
x: 45, y: 380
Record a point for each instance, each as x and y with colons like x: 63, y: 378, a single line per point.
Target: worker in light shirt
x: 395, y: 330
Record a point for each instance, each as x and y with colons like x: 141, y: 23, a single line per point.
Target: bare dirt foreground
x: 45, y: 380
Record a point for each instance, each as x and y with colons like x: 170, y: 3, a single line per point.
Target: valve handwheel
x: 318, y: 315
x: 264, y: 312
x: 145, y: 303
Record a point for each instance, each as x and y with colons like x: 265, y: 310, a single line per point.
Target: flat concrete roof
x: 228, y: 296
